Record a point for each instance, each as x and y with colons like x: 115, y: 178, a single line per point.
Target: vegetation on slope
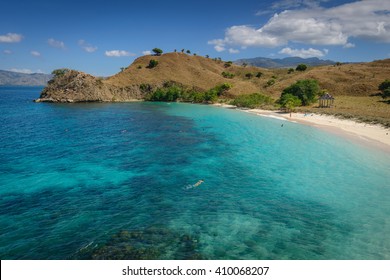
x: 174, y: 92
x: 179, y: 76
x: 254, y: 100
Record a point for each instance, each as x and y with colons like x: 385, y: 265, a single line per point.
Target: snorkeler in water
x: 198, y: 183
x: 194, y: 185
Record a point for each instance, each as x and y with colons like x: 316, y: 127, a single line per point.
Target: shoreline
x: 367, y: 134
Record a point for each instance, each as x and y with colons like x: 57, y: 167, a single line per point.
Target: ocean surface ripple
x: 119, y: 181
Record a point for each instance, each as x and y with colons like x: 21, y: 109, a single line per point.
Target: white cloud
x: 56, y: 44
x: 349, y: 45
x: 219, y: 48
x: 7, y: 52
x: 146, y: 52
x: 231, y: 50
x: 90, y: 49
x: 219, y: 44
x: 118, y: 53
x: 290, y: 4
x: 87, y: 47
x: 11, y: 38
x: 35, y: 53
x: 312, y: 24
x: 304, y: 53
x: 25, y: 71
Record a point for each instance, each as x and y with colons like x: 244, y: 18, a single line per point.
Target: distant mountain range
x: 265, y: 62
x: 9, y: 78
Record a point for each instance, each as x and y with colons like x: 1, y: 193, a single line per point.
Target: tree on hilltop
x: 59, y: 72
x: 157, y: 51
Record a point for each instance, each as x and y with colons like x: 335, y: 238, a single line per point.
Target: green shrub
x: 259, y: 74
x: 289, y: 102
x: 228, y: 75
x: 222, y: 88
x: 166, y: 94
x: 291, y: 70
x: 254, y: 100
x: 270, y: 82
x: 60, y: 72
x: 249, y: 75
x: 228, y: 64
x: 301, y: 67
x: 146, y: 88
x: 305, y: 90
x: 152, y: 63
x: 172, y: 92
x: 384, y: 87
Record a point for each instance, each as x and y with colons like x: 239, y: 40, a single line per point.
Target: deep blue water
x: 114, y: 181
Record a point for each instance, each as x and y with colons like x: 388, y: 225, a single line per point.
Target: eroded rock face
x: 74, y: 86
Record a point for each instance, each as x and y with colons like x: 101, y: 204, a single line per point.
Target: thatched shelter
x: 326, y: 100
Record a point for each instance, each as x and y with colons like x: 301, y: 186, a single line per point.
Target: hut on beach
x: 326, y: 100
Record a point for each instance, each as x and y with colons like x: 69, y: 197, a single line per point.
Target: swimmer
x: 198, y: 183
x: 194, y: 185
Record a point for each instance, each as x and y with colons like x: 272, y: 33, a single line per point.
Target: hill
x: 283, y: 62
x: 190, y: 72
x: 9, y: 78
x: 195, y: 72
x: 355, y: 86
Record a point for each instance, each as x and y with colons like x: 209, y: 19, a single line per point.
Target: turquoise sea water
x: 114, y: 181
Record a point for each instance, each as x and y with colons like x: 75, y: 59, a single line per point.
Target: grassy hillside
x: 355, y: 86
x: 204, y: 73
x: 191, y: 71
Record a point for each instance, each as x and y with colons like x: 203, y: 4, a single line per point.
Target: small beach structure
x: 326, y: 100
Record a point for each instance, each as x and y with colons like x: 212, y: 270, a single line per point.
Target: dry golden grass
x: 353, y: 85
x: 370, y: 109
x: 191, y: 71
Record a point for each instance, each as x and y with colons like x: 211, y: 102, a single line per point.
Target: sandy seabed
x: 368, y: 134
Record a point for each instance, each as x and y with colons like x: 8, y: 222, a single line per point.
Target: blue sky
x: 99, y: 37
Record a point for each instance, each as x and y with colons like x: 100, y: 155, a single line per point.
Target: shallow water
x: 111, y: 181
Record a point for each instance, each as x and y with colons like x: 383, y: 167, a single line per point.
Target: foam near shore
x: 376, y: 134
x: 372, y: 134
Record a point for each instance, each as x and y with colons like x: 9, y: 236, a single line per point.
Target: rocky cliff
x: 75, y: 86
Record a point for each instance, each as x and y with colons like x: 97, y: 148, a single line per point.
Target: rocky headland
x: 71, y: 86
